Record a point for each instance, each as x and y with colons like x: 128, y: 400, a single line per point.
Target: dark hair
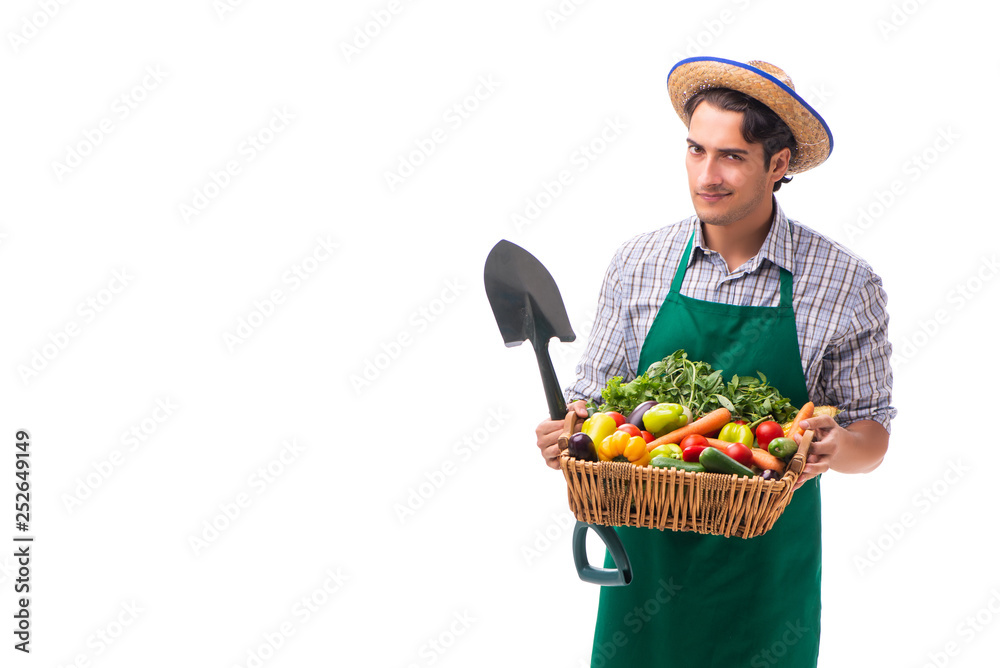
x: 760, y: 124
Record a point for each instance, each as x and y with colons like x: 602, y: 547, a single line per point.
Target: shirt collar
x: 777, y: 245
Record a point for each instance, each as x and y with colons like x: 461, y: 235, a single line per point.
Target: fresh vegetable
x: 635, y: 417
x: 719, y: 445
x: 620, y: 447
x: 740, y: 453
x: 664, y: 418
x: 693, y: 439
x: 617, y: 417
x: 662, y: 462
x: 646, y: 435
x: 693, y: 453
x: 667, y: 450
x: 768, y: 431
x: 582, y: 447
x: 782, y: 447
x: 804, y: 414
x: 771, y: 475
x: 629, y: 429
x: 598, y: 426
x: 832, y: 411
x: 765, y: 460
x: 737, y: 433
x: 706, y: 424
x: 676, y: 379
x: 716, y: 461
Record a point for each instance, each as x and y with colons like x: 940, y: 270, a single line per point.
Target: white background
x: 385, y: 367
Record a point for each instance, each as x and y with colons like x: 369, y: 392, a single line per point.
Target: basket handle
x: 799, y: 458
x: 569, y: 428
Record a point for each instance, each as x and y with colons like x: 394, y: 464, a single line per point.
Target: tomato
x: 767, y: 432
x: 692, y: 452
x: 617, y: 417
x: 693, y: 439
x: 646, y: 435
x: 740, y: 453
x: 629, y: 429
x: 738, y: 421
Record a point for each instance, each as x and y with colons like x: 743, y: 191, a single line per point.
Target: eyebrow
x: 741, y: 151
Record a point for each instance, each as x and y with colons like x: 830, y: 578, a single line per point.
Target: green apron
x: 700, y: 601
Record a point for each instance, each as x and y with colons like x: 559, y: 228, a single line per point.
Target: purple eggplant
x: 770, y: 474
x: 582, y: 447
x: 635, y: 417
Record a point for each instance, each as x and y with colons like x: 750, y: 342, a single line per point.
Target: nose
x: 709, y: 176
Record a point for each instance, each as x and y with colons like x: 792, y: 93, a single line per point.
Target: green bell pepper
x: 671, y: 450
x: 664, y: 418
x: 737, y: 433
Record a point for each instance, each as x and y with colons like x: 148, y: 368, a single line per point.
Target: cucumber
x: 664, y: 462
x: 716, y: 461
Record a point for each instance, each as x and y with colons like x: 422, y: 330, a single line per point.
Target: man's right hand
x: 549, y: 430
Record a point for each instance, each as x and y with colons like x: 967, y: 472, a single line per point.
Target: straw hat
x: 765, y: 83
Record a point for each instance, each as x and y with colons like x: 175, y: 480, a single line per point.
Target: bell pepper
x: 671, y: 450
x: 599, y: 426
x: 664, y: 418
x: 620, y: 447
x: 737, y: 433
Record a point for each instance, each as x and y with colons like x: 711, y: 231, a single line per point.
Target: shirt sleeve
x: 857, y: 376
x: 604, y: 356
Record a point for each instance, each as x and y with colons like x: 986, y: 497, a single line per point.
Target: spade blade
x: 528, y: 307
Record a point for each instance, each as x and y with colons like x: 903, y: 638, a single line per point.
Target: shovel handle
x: 554, y: 396
x: 619, y: 576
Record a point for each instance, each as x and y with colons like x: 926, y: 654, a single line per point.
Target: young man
x: 741, y: 286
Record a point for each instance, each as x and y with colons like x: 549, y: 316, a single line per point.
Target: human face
x: 729, y: 184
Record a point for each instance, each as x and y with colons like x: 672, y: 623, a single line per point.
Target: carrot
x: 706, y: 424
x: 804, y: 414
x: 717, y: 444
x: 766, y: 460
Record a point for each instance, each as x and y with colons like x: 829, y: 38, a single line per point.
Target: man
x: 743, y: 288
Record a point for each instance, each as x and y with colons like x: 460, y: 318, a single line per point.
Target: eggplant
x: 770, y: 474
x: 582, y: 447
x: 635, y: 417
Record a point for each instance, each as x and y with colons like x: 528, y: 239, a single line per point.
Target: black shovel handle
x: 553, y: 395
x: 619, y: 576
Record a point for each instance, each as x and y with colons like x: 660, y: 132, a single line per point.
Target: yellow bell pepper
x: 620, y: 447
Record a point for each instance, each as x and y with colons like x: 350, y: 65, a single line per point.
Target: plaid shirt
x: 839, y: 307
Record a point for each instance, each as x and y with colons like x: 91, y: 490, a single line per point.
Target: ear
x: 779, y: 164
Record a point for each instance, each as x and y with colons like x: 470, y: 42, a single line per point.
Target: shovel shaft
x: 554, y: 396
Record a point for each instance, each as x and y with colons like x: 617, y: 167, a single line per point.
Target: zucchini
x: 664, y: 462
x: 716, y: 461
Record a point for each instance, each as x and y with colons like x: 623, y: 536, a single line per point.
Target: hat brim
x: 813, y: 138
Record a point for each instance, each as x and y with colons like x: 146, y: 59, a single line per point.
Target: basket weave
x: 621, y: 494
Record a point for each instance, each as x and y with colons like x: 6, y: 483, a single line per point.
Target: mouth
x: 712, y: 197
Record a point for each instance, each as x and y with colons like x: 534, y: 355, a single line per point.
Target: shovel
x: 527, y: 306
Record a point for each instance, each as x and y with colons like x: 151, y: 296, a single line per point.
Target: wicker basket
x: 621, y: 494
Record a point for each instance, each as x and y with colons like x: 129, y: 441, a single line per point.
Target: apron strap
x: 675, y: 285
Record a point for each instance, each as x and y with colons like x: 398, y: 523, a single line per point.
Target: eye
x: 694, y: 149
x: 734, y: 156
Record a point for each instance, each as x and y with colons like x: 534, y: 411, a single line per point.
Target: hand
x: 549, y: 430
x: 828, y: 437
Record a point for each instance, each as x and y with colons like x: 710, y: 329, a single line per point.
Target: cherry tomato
x: 630, y: 429
x: 692, y: 452
x: 618, y: 418
x: 740, y: 453
x: 646, y: 435
x: 693, y: 439
x: 739, y: 421
x: 767, y: 432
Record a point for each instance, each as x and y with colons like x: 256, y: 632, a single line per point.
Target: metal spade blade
x: 528, y: 307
